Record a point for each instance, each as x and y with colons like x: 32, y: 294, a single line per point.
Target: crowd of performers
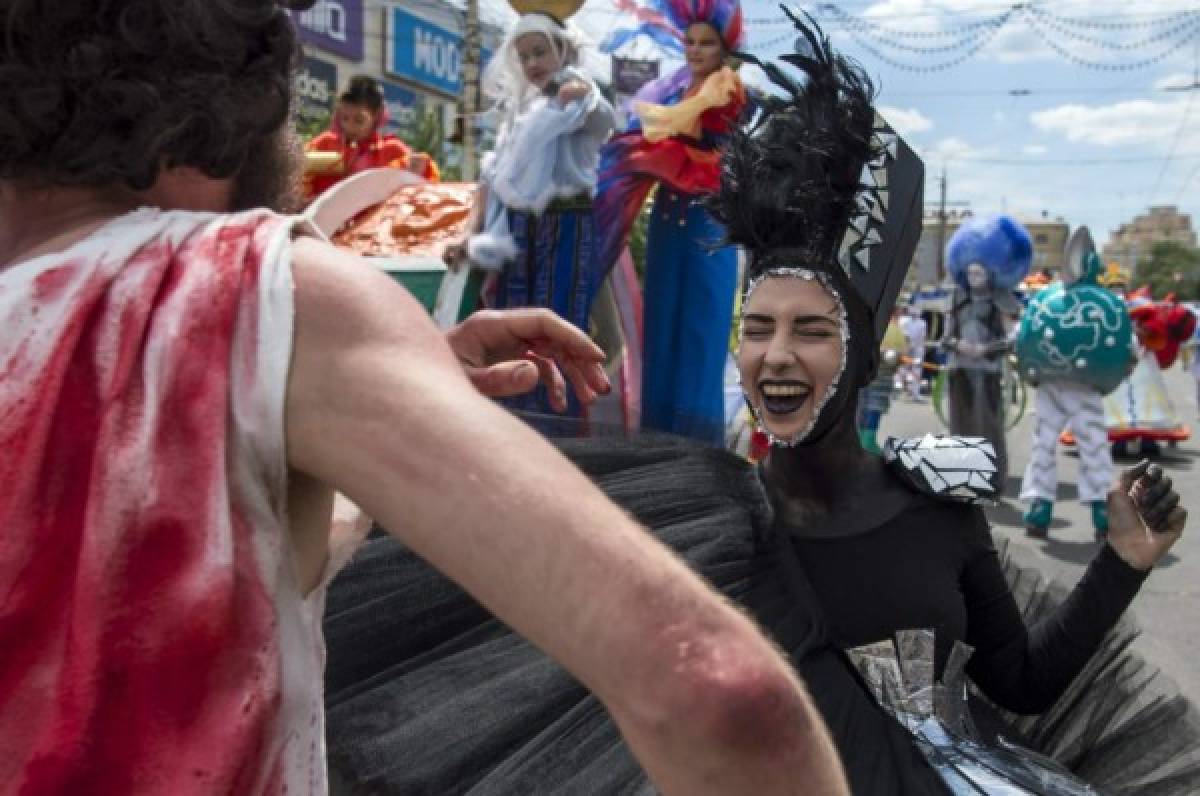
x: 206, y: 408
x: 818, y: 521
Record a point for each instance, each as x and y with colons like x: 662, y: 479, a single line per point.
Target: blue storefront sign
x: 333, y: 25
x: 403, y: 109
x: 425, y: 53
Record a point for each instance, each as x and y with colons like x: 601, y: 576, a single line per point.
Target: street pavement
x: 1168, y: 606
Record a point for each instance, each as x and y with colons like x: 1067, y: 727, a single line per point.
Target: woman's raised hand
x: 1144, y: 515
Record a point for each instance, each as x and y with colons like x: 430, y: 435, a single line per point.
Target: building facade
x: 414, y: 49
x: 1134, y: 240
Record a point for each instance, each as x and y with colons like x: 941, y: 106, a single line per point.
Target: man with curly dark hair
x: 185, y: 378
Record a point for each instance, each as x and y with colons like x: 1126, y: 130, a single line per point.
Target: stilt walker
x: 534, y: 224
x: 673, y: 140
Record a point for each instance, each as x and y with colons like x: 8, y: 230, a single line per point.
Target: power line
x: 1185, y: 22
x: 1065, y: 161
x: 1191, y: 27
x: 1021, y: 92
x: 1176, y: 30
x: 1187, y: 113
x: 1094, y: 23
x: 1185, y: 184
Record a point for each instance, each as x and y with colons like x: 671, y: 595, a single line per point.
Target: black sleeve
x: 1025, y: 670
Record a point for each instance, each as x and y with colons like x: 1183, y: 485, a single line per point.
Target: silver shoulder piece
x: 949, y: 468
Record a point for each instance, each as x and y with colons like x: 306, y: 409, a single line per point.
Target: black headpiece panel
x: 821, y: 181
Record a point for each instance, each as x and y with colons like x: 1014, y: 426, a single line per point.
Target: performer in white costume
x: 1075, y: 342
x: 914, y: 328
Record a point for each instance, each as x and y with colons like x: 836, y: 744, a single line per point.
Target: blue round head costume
x: 999, y: 243
x: 1077, y: 331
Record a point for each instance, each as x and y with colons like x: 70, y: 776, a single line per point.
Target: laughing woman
x: 825, y: 199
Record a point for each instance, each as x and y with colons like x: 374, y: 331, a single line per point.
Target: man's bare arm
x: 379, y: 409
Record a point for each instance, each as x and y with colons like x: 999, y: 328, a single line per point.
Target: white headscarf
x: 504, y: 81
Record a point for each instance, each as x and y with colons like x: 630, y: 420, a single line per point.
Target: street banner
x: 630, y: 74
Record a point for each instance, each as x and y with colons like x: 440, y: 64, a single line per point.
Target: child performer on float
x: 354, y: 134
x: 680, y: 122
x: 533, y: 222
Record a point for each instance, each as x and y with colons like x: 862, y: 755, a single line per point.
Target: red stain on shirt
x: 137, y: 616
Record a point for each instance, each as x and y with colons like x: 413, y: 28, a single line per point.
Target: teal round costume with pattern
x: 1078, y: 332
x: 1075, y: 342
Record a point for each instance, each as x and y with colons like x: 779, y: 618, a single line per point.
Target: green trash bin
x: 425, y: 278
x: 421, y: 275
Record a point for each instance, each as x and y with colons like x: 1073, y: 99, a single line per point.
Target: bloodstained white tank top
x: 153, y: 637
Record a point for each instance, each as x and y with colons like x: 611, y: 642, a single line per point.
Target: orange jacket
x: 376, y: 152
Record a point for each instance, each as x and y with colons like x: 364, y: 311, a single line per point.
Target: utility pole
x: 937, y: 212
x: 1195, y: 84
x: 941, y: 239
x: 469, y: 106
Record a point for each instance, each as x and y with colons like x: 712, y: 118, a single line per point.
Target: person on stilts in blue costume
x: 680, y: 122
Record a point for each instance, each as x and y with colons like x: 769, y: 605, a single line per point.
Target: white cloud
x: 1134, y: 122
x: 906, y: 121
x: 947, y: 150
x: 1016, y: 43
x: 1034, y: 149
x: 1174, y: 80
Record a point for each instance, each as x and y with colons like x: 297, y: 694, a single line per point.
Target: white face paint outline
x: 824, y: 281
x: 977, y: 273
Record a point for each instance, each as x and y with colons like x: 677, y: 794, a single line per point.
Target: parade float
x: 403, y: 225
x: 1139, y: 413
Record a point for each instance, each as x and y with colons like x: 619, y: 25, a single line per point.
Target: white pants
x: 914, y: 370
x: 1059, y: 405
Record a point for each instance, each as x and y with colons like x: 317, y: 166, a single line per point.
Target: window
x: 1041, y: 238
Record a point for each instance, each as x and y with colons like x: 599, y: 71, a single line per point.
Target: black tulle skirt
x: 426, y: 692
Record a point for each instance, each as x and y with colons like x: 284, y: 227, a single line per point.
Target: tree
x: 637, y: 240
x: 1171, y: 268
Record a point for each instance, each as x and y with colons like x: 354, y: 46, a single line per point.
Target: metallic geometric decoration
x: 952, y: 468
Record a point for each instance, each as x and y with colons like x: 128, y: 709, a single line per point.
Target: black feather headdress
x: 820, y: 181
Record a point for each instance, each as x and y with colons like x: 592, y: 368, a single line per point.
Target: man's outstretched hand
x: 508, y: 352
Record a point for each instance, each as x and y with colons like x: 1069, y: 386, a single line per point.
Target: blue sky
x: 1019, y: 126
